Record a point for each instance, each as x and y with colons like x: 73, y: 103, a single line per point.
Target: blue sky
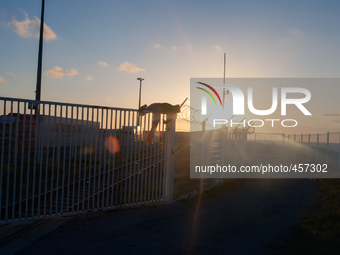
x: 95, y: 50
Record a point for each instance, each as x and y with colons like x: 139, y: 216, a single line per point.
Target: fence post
x: 317, y: 148
x: 300, y: 148
x: 327, y: 148
x: 308, y: 148
x: 245, y: 148
x: 169, y: 157
x: 288, y: 152
x: 339, y: 151
x: 294, y: 144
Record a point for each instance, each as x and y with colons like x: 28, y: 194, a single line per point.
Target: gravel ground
x: 252, y: 218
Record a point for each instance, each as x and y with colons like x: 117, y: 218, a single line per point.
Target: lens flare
x: 158, y: 133
x: 153, y: 136
x: 112, y: 144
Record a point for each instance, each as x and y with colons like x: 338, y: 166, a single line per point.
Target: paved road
x: 246, y: 220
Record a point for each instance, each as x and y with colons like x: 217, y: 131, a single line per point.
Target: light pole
x: 140, y: 95
x: 38, y: 89
x: 41, y: 39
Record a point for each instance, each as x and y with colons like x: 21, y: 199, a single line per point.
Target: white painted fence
x: 70, y: 159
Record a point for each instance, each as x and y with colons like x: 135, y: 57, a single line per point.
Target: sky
x: 94, y: 51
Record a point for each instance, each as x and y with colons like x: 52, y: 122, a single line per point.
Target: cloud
x: 218, y: 48
x: 296, y: 33
x: 5, y: 24
x: 88, y: 77
x: 130, y: 68
x: 2, y: 80
x: 11, y: 74
x: 293, y: 35
x: 31, y: 28
x: 332, y: 114
x: 102, y: 63
x: 3, y: 15
x: 174, y: 48
x: 156, y: 46
x: 58, y: 72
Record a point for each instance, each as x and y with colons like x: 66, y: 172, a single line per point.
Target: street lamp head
x: 140, y: 79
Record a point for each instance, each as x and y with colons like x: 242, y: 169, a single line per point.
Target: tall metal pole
x: 140, y: 95
x: 224, y: 67
x: 41, y: 37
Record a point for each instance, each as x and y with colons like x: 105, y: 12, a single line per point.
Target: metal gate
x: 66, y: 159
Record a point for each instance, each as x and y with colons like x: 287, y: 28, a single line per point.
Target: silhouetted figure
x: 157, y: 109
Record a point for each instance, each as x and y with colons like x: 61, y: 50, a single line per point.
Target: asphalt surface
x: 252, y: 218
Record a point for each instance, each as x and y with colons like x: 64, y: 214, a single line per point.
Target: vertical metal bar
x: 85, y: 136
x: 308, y: 148
x: 41, y: 159
x: 163, y: 165
x: 100, y: 186
x: 55, y: 136
x: 58, y: 160
x: 170, y: 159
x: 301, y: 143
x: 152, y: 162
x: 77, y: 170
x: 149, y: 167
x: 2, y: 157
x: 327, y: 148
x: 69, y: 185
x: 113, y: 164
x: 339, y: 151
x: 67, y: 146
x: 77, y: 130
x: 142, y: 170
x: 106, y: 169
x: 136, y: 146
x: 90, y: 163
x: 9, y: 160
x: 131, y: 154
x: 95, y: 162
x: 317, y: 148
x: 126, y: 165
x: 145, y: 169
x: 64, y: 159
x: 74, y: 170
x: 133, y: 145
x: 29, y: 162
x: 16, y: 138
x: 138, y: 160
x: 22, y: 161
x: 47, y: 169
x: 110, y: 184
x: 120, y: 168
x: 36, y: 155
x: 158, y: 163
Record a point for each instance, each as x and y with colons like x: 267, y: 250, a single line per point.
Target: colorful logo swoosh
x: 212, y: 89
